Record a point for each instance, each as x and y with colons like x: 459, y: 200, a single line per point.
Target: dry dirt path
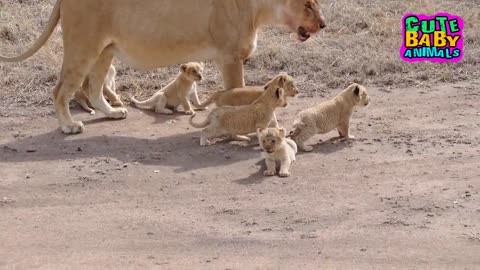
x: 141, y: 193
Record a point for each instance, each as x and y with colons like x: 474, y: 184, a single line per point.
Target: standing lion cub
x: 329, y: 115
x: 177, y: 92
x: 277, y: 148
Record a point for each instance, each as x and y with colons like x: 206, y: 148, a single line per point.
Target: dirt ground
x: 141, y: 192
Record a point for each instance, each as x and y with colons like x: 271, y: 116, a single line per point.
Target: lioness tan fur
x: 109, y: 91
x: 329, y: 115
x: 177, y: 92
x: 277, y: 148
x: 148, y: 34
x: 247, y: 95
x: 241, y: 120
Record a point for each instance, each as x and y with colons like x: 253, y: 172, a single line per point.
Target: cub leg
x: 187, y: 107
x: 284, y: 168
x: 343, y: 131
x: 161, y: 106
x: 194, y: 98
x: 112, y: 96
x: 271, y: 167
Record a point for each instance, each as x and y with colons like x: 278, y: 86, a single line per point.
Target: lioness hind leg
x: 97, y: 78
x: 70, y: 80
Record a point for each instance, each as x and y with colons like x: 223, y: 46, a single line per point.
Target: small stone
x: 31, y: 150
x: 156, y: 171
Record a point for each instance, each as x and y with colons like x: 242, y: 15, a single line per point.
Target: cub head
x: 271, y: 139
x: 303, y: 17
x: 193, y: 70
x: 360, y: 95
x: 285, y: 81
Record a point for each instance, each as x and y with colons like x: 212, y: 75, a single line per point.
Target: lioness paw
x: 269, y: 173
x: 284, y: 174
x: 74, y: 128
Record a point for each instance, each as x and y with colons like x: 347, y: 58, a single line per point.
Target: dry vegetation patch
x: 360, y: 44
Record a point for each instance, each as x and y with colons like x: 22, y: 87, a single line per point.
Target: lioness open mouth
x: 303, y: 34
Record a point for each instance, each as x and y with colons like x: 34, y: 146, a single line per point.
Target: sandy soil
x: 141, y: 192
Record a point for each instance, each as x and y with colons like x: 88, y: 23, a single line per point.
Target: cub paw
x: 190, y: 112
x: 74, y: 128
x: 118, y: 113
x: 284, y: 174
x: 269, y: 173
x: 307, y: 148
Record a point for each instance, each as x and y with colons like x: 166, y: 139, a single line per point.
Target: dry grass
x: 361, y: 43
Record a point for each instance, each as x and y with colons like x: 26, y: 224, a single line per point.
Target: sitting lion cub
x: 329, y: 115
x: 277, y: 148
x: 109, y: 90
x: 177, y: 92
x: 241, y: 120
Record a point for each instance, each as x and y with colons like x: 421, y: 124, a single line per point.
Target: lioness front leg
x: 273, y: 122
x: 284, y: 168
x: 271, y: 167
x: 97, y: 78
x: 232, y: 73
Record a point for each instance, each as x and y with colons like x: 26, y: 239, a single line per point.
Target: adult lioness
x: 157, y: 33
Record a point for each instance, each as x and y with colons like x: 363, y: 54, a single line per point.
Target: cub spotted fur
x: 241, y: 120
x: 277, y: 148
x: 329, y: 115
x: 177, y: 92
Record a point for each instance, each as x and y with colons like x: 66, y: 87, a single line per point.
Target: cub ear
x: 202, y: 64
x: 259, y: 131
x: 280, y: 93
x: 283, y: 131
x: 282, y: 78
x: 356, y: 91
x: 183, y: 67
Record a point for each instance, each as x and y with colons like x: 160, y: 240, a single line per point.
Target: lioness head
x: 360, y: 95
x: 285, y: 81
x: 304, y: 17
x: 271, y: 138
x: 193, y: 70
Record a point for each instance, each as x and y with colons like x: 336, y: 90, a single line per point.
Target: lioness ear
x: 183, y: 67
x: 356, y: 91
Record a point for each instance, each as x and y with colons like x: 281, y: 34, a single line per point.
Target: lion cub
x: 177, y: 92
x: 241, y: 120
x: 109, y: 90
x: 277, y: 148
x: 329, y: 115
x: 247, y: 95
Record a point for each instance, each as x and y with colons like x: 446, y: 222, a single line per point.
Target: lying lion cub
x: 109, y: 91
x: 247, y: 95
x: 241, y: 120
x: 329, y: 115
x: 177, y: 92
x: 277, y: 148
